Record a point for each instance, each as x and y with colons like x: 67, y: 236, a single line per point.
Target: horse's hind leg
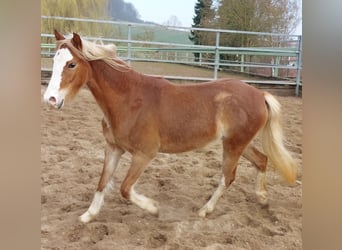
x: 210, y: 205
x: 138, y: 165
x: 260, y: 162
x: 112, y: 156
x: 231, y: 156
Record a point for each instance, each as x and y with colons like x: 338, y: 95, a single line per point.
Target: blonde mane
x: 105, y: 52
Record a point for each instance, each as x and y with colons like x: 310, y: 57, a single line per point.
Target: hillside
x: 126, y: 12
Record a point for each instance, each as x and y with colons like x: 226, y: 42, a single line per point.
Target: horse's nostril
x: 52, y: 100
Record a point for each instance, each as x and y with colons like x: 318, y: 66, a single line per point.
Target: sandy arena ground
x: 71, y: 162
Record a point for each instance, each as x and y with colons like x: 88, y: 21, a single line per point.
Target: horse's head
x: 70, y: 70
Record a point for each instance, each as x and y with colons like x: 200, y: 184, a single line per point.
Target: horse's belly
x: 187, y: 142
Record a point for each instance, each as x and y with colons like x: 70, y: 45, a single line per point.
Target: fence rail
x: 287, y: 56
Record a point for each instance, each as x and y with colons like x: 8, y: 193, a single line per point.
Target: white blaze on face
x: 53, y: 95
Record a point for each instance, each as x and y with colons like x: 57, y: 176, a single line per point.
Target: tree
x: 93, y: 9
x: 274, y: 16
x: 278, y: 16
x: 173, y: 21
x: 123, y: 11
x: 204, y: 17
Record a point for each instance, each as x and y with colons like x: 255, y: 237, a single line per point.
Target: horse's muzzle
x: 53, y: 102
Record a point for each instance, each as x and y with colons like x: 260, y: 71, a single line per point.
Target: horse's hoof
x: 262, y: 198
x: 86, y: 217
x: 202, y: 213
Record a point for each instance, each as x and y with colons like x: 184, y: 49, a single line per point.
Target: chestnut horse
x: 144, y: 115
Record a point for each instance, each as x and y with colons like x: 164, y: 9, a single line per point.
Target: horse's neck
x: 108, y: 85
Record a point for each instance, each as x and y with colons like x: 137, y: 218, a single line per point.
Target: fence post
x: 242, y: 67
x: 276, y: 70
x: 129, y: 44
x: 204, y: 59
x: 299, y: 64
x: 217, y: 55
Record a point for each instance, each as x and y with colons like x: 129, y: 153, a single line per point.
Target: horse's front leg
x: 112, y: 156
x: 138, y: 165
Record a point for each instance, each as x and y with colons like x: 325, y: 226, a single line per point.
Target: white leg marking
x: 112, y: 160
x: 261, y: 188
x: 97, y: 203
x: 210, y: 205
x: 143, y: 202
x: 94, y: 208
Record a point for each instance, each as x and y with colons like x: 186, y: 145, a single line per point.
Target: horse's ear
x: 76, y: 41
x: 58, y: 35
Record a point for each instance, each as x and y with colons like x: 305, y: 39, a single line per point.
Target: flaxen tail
x: 273, y: 144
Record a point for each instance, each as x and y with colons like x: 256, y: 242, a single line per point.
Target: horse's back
x: 193, y: 115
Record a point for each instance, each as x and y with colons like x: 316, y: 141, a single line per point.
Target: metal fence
x: 285, y: 52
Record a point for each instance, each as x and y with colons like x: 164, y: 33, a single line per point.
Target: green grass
x: 172, y: 36
x: 141, y: 33
x: 156, y: 34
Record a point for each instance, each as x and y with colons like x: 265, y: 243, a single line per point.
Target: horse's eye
x: 71, y: 65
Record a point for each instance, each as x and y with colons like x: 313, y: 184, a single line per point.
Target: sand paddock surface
x: 72, y: 151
